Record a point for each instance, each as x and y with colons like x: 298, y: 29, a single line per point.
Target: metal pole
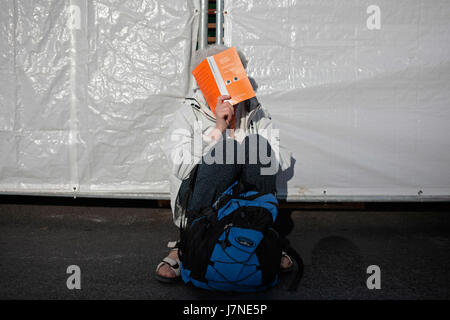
x: 203, y: 28
x: 219, y: 21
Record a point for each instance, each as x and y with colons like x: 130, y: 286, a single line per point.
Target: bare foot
x: 285, y: 262
x: 165, y: 270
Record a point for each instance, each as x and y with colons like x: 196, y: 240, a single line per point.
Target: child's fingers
x: 229, y: 106
x: 229, y: 112
x: 222, y: 98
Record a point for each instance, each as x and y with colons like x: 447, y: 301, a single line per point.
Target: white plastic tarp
x: 87, y: 90
x: 359, y: 89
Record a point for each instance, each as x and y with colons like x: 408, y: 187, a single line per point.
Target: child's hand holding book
x: 224, y: 115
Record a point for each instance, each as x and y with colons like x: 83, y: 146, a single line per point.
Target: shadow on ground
x: 118, y: 248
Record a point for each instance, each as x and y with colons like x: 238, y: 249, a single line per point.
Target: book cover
x: 223, y: 74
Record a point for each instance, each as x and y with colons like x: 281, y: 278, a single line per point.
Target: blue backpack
x: 233, y: 246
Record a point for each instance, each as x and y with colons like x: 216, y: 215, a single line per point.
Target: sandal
x: 291, y: 265
x: 174, y: 265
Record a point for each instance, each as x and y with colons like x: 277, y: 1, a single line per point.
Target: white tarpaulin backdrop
x: 87, y: 90
x: 360, y: 90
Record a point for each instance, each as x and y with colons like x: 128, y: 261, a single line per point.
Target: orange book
x: 223, y: 74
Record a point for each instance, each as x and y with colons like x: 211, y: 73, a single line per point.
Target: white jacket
x: 187, y: 139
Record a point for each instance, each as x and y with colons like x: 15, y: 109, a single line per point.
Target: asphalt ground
x: 118, y: 243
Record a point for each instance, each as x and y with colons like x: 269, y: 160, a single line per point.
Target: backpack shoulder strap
x: 187, y: 196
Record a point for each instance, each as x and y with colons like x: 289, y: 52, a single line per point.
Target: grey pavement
x: 117, y: 245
